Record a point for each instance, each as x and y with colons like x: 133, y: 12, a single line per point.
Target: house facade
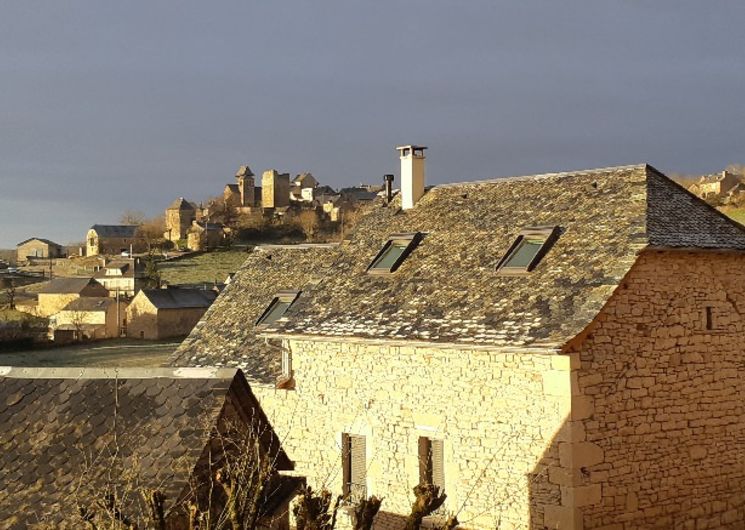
x: 88, y: 318
x: 157, y: 314
x: 178, y: 218
x: 37, y: 247
x: 54, y: 296
x: 112, y: 239
x: 122, y: 277
x: 553, y: 340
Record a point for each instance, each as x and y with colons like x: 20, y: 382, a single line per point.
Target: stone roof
x: 233, y: 188
x: 40, y: 239
x: 90, y: 303
x: 119, y: 231
x: 244, y: 171
x: 226, y: 335
x: 178, y: 298
x: 181, y: 204
x: 449, y: 290
x: 70, y: 286
x: 62, y: 426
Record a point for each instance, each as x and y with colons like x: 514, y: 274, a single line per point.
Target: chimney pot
x: 388, y: 187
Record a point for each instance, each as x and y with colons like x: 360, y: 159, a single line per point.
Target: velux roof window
x: 394, y: 252
x: 277, y: 307
x: 528, y: 249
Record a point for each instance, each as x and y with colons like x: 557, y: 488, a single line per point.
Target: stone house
x: 82, y: 432
x: 554, y: 342
x: 121, y: 276
x: 113, y: 239
x: 54, y: 296
x: 157, y: 314
x: 37, y: 247
x: 178, y: 218
x: 715, y: 185
x: 275, y: 189
x: 303, y: 187
x: 243, y: 194
x: 88, y: 318
x: 204, y: 236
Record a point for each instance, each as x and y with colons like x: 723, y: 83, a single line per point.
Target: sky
x: 111, y: 106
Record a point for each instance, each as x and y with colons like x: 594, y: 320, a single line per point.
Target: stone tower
x: 179, y: 217
x: 246, y: 186
x: 275, y: 189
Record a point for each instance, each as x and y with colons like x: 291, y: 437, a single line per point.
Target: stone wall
x: 661, y: 379
x: 498, y: 414
x: 275, y: 189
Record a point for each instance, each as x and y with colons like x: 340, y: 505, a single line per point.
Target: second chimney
x: 388, y: 188
x: 412, y: 174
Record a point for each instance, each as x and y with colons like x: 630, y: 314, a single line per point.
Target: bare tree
x: 308, y: 222
x: 132, y: 217
x: 10, y: 293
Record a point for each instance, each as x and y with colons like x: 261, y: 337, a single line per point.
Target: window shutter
x: 358, y: 467
x: 425, y: 460
x: 346, y: 463
x: 438, y: 464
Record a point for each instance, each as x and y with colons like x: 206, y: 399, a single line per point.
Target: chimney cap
x: 412, y: 146
x: 388, y: 177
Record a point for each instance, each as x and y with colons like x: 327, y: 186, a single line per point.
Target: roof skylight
x: 394, y: 252
x: 277, y: 307
x: 528, y: 250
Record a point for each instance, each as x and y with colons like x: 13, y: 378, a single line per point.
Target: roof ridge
x: 541, y: 176
x: 17, y: 372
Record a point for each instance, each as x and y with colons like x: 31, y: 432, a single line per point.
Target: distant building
x: 275, y: 189
x: 54, y: 296
x: 162, y: 313
x: 37, y: 247
x: 242, y: 195
x: 123, y: 276
x: 204, y: 236
x: 715, y: 185
x: 179, y: 216
x: 112, y: 239
x: 88, y: 318
x: 303, y: 187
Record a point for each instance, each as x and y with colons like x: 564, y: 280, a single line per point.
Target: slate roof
x: 58, y: 427
x: 181, y: 204
x: 90, y: 303
x: 226, y: 334
x: 178, y: 298
x: 449, y: 291
x: 130, y: 268
x: 120, y: 231
x: 41, y: 239
x: 70, y: 286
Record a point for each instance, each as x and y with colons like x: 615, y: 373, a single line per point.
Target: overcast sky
x: 107, y: 106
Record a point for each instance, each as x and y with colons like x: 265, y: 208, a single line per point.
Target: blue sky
x: 107, y: 106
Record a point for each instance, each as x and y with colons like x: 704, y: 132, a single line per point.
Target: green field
x: 117, y: 352
x: 209, y: 267
x: 738, y: 214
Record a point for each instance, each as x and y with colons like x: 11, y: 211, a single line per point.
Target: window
x: 394, y: 252
x: 277, y: 307
x: 528, y: 250
x: 431, y: 462
x: 354, y: 466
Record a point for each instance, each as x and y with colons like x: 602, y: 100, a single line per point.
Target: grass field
x: 119, y: 352
x: 738, y: 214
x: 209, y: 267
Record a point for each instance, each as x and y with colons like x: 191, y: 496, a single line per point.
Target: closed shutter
x: 438, y: 464
x: 358, y: 468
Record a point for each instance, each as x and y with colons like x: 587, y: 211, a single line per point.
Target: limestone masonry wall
x: 662, y: 374
x: 497, y: 413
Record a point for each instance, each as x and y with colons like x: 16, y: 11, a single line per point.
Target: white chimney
x: 412, y: 174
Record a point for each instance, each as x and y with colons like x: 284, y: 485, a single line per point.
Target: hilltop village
x: 554, y: 351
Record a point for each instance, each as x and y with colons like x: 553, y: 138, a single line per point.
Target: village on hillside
x: 153, y: 279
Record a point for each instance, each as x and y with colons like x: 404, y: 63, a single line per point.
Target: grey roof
x: 41, y: 239
x: 120, y: 231
x: 226, y: 335
x: 129, y: 268
x: 182, y: 204
x: 177, y: 298
x: 449, y: 290
x: 71, y: 434
x: 233, y: 187
x: 90, y: 303
x: 72, y: 286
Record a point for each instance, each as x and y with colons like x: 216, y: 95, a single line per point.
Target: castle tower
x: 179, y: 216
x: 275, y: 189
x: 246, y: 186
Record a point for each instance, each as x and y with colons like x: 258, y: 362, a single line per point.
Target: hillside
x: 211, y: 267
